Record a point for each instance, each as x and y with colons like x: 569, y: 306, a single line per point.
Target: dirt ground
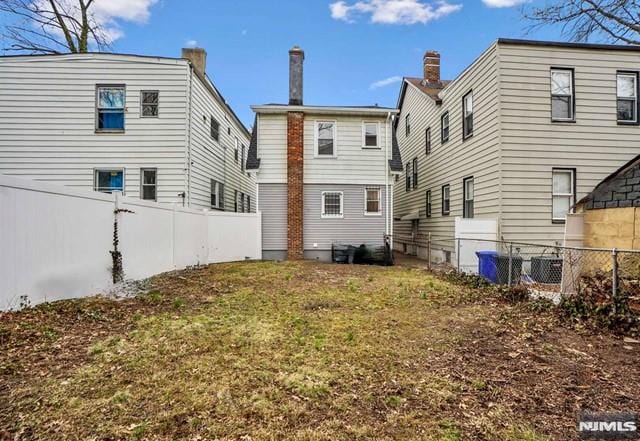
x: 308, y: 351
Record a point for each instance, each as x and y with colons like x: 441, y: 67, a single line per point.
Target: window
x: 372, y: 201
x: 562, y: 102
x: 148, y: 184
x: 427, y: 140
x: 149, y: 100
x: 217, y: 194
x: 444, y: 127
x: 627, y: 102
x: 407, y: 124
x: 325, y: 138
x: 110, y: 108
x: 235, y: 151
x: 446, y: 200
x: 370, y: 135
x: 563, y: 193
x: 108, y: 181
x: 215, y: 129
x: 332, y: 204
x: 408, y: 177
x: 467, y: 115
x: 248, y: 204
x: 428, y: 201
x: 242, y: 159
x: 241, y: 202
x: 235, y: 200
x: 415, y: 172
x: 467, y: 190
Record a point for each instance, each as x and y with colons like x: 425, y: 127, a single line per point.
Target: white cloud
x: 386, y: 82
x: 108, y: 14
x: 503, y: 3
x: 393, y: 11
x: 191, y: 43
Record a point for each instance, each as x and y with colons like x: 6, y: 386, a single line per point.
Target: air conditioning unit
x: 546, y: 269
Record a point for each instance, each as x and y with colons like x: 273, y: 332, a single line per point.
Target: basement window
x: 332, y: 204
x: 110, y: 108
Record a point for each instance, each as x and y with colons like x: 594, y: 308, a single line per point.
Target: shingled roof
x: 430, y: 89
x: 253, y: 162
x: 618, y: 190
x: 395, y: 163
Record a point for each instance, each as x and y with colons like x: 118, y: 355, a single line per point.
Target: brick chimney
x: 197, y: 56
x: 431, y: 62
x: 295, y: 159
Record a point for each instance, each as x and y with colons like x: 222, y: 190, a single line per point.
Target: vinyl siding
x: 451, y: 162
x: 272, y: 201
x: 595, y: 145
x: 272, y: 148
x: 353, y: 163
x: 354, y: 228
x: 47, y: 120
x: 212, y: 159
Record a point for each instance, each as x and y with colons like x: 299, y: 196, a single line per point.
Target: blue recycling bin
x: 487, y: 265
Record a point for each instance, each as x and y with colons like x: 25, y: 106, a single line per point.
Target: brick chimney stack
x: 295, y: 159
x: 197, y: 56
x: 431, y: 62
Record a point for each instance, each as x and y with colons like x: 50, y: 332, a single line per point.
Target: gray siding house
x: 324, y: 174
x: 151, y: 127
x: 519, y: 136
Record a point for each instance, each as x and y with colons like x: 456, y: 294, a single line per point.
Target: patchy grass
x: 305, y: 351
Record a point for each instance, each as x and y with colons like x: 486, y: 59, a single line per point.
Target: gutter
x: 187, y: 191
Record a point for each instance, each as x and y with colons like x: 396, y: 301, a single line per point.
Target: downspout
x: 187, y: 190
x: 386, y: 174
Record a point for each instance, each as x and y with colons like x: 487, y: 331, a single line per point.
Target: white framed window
x: 407, y: 125
x: 415, y: 173
x: 149, y: 184
x: 235, y: 201
x: 444, y: 127
x: 467, y: 190
x: 149, y: 102
x: 446, y: 200
x: 110, y: 108
x: 372, y: 203
x: 217, y: 194
x: 108, y: 180
x: 241, y: 202
x: 427, y: 140
x: 215, y: 129
x: 370, y: 136
x: 627, y: 97
x: 325, y: 137
x: 467, y: 115
x: 562, y: 96
x: 564, y: 193
x: 428, y: 203
x: 332, y: 204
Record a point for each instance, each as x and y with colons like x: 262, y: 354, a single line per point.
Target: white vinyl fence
x: 55, y: 241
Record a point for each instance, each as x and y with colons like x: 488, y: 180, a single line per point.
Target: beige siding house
x: 155, y: 128
x: 532, y: 128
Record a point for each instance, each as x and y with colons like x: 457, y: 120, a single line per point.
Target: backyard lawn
x: 308, y: 351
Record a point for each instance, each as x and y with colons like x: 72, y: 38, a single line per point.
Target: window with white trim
x: 444, y: 127
x: 415, y: 173
x: 446, y: 200
x: 467, y: 190
x: 148, y: 184
x: 407, y: 125
x: 627, y: 97
x: 325, y: 138
x: 467, y: 115
x: 428, y: 203
x: 372, y: 201
x: 408, y: 177
x: 564, y: 193
x: 217, y: 194
x: 370, y: 135
x: 427, y: 140
x: 110, y: 108
x: 241, y: 202
x: 562, y: 96
x: 109, y: 180
x: 248, y: 204
x: 215, y: 129
x: 332, y: 204
x: 149, y: 100
x: 235, y: 201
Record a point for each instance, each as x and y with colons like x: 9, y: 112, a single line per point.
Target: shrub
x: 513, y: 294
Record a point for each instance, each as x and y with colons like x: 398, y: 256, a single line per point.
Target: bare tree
x: 52, y: 26
x: 581, y: 20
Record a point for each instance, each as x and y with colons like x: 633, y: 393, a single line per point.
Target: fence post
x: 509, y: 281
x: 429, y: 252
x: 614, y: 258
x: 458, y: 253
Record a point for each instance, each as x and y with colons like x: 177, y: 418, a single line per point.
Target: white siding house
x: 324, y: 174
x: 137, y: 124
x: 514, y: 159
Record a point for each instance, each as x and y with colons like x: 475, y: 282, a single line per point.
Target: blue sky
x: 348, y: 46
